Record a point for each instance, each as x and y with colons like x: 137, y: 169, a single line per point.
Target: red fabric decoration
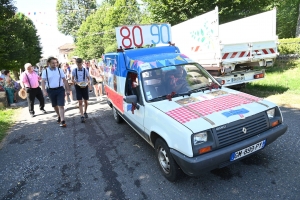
x: 169, y: 96
x: 133, y: 107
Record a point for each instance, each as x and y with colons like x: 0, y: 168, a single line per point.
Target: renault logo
x: 244, y: 130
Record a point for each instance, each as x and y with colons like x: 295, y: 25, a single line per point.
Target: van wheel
x: 117, y: 117
x: 167, y: 164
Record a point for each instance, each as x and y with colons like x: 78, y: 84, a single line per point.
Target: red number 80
x: 127, y: 37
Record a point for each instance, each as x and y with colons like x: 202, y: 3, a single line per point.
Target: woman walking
x: 97, y: 74
x: 67, y: 72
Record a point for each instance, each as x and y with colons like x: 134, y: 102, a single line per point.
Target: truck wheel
x: 117, y: 117
x: 167, y: 164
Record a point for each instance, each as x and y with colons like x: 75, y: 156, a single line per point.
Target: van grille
x: 233, y: 132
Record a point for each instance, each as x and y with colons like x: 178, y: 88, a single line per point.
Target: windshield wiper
x: 162, y: 97
x: 199, y: 89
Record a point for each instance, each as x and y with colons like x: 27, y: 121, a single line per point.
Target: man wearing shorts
x: 79, y: 75
x: 54, y: 79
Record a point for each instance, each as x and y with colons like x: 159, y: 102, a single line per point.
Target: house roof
x: 67, y: 46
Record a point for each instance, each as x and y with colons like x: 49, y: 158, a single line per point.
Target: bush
x: 289, y: 46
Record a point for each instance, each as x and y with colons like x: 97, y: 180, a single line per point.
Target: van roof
x: 155, y: 57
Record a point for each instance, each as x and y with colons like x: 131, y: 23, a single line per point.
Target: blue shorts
x: 57, y: 96
x: 82, y: 93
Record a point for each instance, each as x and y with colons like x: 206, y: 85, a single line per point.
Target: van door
x: 135, y: 117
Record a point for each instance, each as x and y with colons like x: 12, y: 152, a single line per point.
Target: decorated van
x: 194, y: 124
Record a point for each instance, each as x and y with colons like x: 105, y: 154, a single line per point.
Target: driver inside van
x: 177, y: 80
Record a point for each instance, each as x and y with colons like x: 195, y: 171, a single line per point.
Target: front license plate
x: 236, y: 79
x: 248, y: 150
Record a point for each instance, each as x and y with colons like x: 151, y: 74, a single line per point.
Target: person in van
x: 176, y: 80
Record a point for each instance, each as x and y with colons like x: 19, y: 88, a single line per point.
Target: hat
x: 23, y: 93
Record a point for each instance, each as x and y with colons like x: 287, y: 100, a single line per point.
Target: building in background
x: 64, y: 51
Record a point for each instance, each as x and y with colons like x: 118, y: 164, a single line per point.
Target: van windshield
x: 179, y: 79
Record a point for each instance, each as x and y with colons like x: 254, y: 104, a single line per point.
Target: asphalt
x: 101, y: 159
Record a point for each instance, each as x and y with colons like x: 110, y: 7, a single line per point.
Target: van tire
x: 116, y: 115
x: 167, y: 164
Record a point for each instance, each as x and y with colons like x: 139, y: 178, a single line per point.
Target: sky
x: 44, y: 16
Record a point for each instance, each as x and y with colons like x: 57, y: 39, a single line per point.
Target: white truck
x: 230, y: 51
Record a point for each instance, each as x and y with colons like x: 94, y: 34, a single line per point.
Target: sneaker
x: 73, y: 102
x: 63, y: 124
x: 44, y: 111
x: 98, y: 98
x: 82, y: 119
x: 31, y: 115
x: 58, y: 120
x: 86, y: 115
x: 101, y: 98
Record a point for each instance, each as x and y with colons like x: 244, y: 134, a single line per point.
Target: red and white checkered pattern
x: 207, y: 107
x: 218, y: 104
x: 182, y: 115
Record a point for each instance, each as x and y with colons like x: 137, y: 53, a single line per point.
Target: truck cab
x: 194, y: 124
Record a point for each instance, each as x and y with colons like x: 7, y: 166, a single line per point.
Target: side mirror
x: 131, y: 99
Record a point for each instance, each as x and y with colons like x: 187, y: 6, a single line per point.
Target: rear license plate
x: 248, y: 150
x: 236, y: 79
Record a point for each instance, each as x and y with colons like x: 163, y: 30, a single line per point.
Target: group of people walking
x: 57, y: 83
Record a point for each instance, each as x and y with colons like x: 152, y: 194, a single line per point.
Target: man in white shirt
x: 54, y: 79
x: 79, y: 75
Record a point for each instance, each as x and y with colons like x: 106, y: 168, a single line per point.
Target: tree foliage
x: 287, y: 17
x: 19, y: 42
x: 71, y: 14
x: 176, y: 11
x: 97, y: 34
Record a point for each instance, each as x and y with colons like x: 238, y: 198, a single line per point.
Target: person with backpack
x: 81, y: 80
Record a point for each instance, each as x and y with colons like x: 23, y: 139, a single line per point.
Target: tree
x: 176, y: 11
x: 71, y: 14
x: 287, y: 17
x: 21, y: 44
x: 7, y: 11
x: 97, y: 34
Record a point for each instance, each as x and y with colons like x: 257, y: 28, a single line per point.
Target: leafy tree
x: 97, y: 34
x: 176, y: 11
x: 71, y: 14
x: 21, y: 44
x: 7, y: 11
x: 287, y: 17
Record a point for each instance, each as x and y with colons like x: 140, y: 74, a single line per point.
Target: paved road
x: 104, y: 160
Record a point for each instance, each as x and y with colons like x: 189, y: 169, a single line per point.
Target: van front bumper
x: 221, y: 157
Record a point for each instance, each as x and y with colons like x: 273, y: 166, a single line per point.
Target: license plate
x: 236, y: 79
x: 248, y: 150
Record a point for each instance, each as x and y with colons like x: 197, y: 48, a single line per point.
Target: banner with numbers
x: 141, y: 35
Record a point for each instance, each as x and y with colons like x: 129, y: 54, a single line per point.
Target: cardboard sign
x: 141, y: 35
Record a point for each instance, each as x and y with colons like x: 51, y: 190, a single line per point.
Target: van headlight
x: 271, y: 113
x: 199, y: 138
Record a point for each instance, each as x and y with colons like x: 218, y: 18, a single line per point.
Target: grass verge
x: 7, y: 117
x: 281, y: 84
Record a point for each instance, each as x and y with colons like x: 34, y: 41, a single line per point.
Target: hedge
x: 289, y: 46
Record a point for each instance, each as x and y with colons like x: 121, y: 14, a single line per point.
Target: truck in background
x: 230, y: 51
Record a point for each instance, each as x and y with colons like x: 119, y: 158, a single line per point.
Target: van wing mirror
x: 131, y: 99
